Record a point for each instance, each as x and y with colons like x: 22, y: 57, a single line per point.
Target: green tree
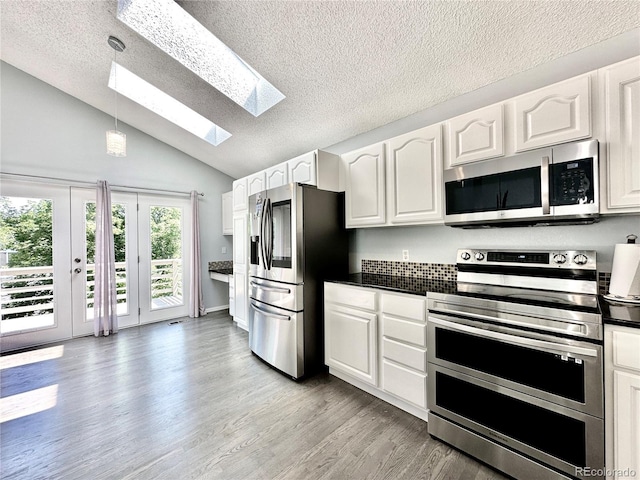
x: 166, y: 233
x: 119, y: 233
x: 28, y: 231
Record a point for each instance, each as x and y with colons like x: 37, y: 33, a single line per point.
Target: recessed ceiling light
x: 154, y: 99
x: 165, y: 24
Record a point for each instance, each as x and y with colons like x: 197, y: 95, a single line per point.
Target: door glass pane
x: 166, y: 257
x: 26, y: 263
x: 282, y: 234
x: 118, y: 211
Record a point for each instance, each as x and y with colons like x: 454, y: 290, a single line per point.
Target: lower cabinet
x: 376, y: 340
x: 622, y: 400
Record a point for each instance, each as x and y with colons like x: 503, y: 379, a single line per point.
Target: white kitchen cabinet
x: 376, y: 340
x: 227, y: 213
x: 277, y: 176
x: 256, y: 183
x: 404, y: 352
x: 620, y: 88
x: 240, y: 197
x: 232, y: 296
x: 414, y: 177
x: 476, y: 135
x: 622, y: 398
x: 351, y: 332
x: 303, y: 169
x: 240, y: 270
x: 555, y: 114
x: 365, y: 186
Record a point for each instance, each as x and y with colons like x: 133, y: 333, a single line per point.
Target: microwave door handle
x: 544, y: 185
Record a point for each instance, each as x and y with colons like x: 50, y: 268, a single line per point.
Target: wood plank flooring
x: 190, y: 401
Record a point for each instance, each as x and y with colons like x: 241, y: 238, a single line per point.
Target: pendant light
x: 116, y: 140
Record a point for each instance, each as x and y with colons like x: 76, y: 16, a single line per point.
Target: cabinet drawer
x: 405, y: 383
x: 351, y: 296
x: 626, y: 350
x: 408, y: 355
x: 407, y: 306
x: 405, y: 331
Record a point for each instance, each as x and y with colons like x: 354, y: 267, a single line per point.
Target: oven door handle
x: 550, y: 347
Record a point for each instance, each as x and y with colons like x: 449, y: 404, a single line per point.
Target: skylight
x: 154, y: 99
x: 165, y: 24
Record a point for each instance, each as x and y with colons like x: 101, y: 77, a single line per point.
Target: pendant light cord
x: 115, y: 81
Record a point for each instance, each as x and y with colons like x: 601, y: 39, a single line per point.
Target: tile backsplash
x: 441, y: 271
x: 220, y: 265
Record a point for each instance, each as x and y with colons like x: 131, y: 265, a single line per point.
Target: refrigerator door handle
x: 263, y: 239
x: 270, y: 289
x: 269, y: 224
x: 270, y: 314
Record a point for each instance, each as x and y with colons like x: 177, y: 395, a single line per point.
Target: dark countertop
x: 223, y: 271
x: 619, y: 313
x: 394, y: 283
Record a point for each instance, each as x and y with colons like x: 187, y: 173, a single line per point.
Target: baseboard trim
x: 217, y: 309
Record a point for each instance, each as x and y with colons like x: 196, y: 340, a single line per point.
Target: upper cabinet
x: 277, y: 176
x: 620, y: 87
x: 227, y: 213
x: 555, y: 114
x: 395, y: 182
x: 414, y: 176
x: 302, y: 169
x: 240, y: 197
x: 256, y: 183
x: 476, y: 135
x: 365, y: 186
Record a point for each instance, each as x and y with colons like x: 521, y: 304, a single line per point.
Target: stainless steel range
x: 515, y: 372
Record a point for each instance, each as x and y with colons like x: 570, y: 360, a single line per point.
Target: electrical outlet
x: 224, y: 249
x: 405, y: 255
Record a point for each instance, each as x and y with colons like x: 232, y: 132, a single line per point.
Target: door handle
x: 77, y: 260
x: 77, y: 270
x: 270, y: 289
x: 269, y: 314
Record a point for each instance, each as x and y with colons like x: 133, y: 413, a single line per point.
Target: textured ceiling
x: 345, y: 67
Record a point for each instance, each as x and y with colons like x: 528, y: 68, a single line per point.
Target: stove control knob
x: 559, y: 258
x: 465, y: 255
x: 580, y: 259
x: 479, y: 256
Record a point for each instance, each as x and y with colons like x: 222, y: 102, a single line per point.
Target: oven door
x: 559, y: 370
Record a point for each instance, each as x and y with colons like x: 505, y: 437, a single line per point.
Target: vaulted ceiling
x: 345, y: 67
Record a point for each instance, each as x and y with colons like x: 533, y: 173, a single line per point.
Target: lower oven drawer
x: 554, y: 435
x: 563, y: 371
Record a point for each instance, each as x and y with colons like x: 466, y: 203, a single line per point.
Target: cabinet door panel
x: 555, y: 114
x: 350, y: 342
x: 365, y: 186
x: 302, y: 169
x: 277, y: 176
x: 622, y: 100
x: 415, y: 176
x: 240, y: 196
x: 256, y: 183
x: 476, y: 135
x: 626, y: 392
x: 404, y: 383
x: 227, y: 213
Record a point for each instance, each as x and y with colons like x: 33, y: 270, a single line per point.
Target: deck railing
x: 28, y: 291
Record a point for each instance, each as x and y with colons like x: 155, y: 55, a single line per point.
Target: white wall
x: 46, y: 132
x: 438, y: 243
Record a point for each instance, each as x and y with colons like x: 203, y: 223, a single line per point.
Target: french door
x: 47, y: 254
x: 35, y: 285
x: 124, y: 208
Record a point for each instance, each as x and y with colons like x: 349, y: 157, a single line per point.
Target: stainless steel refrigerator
x: 297, y: 240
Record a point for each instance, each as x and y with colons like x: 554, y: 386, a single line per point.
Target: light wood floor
x: 189, y: 401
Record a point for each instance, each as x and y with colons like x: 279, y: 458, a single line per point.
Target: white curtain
x: 104, y: 301
x: 196, y: 303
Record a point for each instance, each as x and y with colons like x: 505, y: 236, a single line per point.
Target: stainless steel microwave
x: 543, y: 186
